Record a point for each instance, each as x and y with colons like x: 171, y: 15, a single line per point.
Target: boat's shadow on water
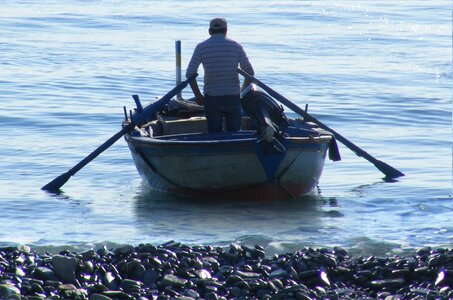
x: 224, y: 221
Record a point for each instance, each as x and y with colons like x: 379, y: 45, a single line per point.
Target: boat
x: 271, y: 157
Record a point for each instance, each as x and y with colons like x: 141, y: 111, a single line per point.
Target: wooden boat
x: 271, y: 157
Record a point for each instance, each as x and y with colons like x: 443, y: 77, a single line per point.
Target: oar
x: 137, y: 119
x: 388, y: 170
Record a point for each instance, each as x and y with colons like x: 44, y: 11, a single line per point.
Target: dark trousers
x: 218, y: 107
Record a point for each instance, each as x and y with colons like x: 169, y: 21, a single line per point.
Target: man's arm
x: 192, y: 68
x: 196, y: 91
x: 245, y: 84
x: 245, y: 65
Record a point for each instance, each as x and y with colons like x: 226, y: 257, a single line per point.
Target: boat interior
x: 261, y: 116
x: 172, y: 125
x: 164, y: 126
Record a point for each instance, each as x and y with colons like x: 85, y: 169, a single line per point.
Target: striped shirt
x: 220, y: 57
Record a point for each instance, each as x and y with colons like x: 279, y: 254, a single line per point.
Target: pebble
x: 7, y: 290
x: 64, y: 267
x: 170, y: 280
x: 176, y: 271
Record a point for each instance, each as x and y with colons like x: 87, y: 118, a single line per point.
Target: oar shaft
x: 148, y: 113
x: 299, y: 110
x: 389, y: 171
x: 101, y: 149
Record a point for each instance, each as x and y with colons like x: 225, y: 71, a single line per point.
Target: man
x: 220, y: 57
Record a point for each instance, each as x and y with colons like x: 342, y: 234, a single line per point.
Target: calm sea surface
x: 378, y: 72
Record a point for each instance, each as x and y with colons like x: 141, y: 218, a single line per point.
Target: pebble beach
x: 176, y: 271
x: 378, y: 72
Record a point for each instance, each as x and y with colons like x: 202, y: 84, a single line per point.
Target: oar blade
x: 56, y: 184
x: 389, y: 171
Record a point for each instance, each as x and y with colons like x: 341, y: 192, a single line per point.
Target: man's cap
x: 218, y: 23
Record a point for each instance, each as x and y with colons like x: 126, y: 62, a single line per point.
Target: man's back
x: 220, y: 57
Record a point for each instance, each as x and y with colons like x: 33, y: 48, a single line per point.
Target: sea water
x: 378, y: 72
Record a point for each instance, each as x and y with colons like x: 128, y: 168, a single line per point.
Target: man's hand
x: 200, y: 100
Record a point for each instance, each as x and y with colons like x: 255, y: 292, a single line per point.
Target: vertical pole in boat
x: 178, y: 66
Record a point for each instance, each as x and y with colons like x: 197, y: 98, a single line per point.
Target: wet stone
x: 257, y: 253
x: 437, y: 260
x: 340, y: 251
x: 401, y: 272
x: 328, y: 260
x: 7, y: 290
x: 118, y: 295
x: 235, y: 292
x: 211, y: 296
x: 203, y: 274
x: 111, y: 281
x: 424, y: 251
x: 247, y: 275
x: 135, y: 269
x: 99, y: 297
x: 209, y: 283
x: 52, y: 283
x: 324, y: 278
x: 390, y: 283
x: 65, y: 267
x: 128, y: 285
x: 67, y: 287
x: 175, y: 271
x: 421, y: 270
x: 155, y: 261
x: 308, y: 274
x: 45, y: 273
x: 102, y: 252
x: 89, y: 254
x: 191, y: 293
x: 39, y: 289
x: 277, y: 283
x: 243, y: 285
x: 19, y: 272
x: 232, y: 279
x: 74, y: 294
x: 171, y: 280
x: 365, y: 273
x: 150, y: 277
x: 264, y: 293
x: 124, y: 250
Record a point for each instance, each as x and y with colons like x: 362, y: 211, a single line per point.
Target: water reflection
x: 193, y: 220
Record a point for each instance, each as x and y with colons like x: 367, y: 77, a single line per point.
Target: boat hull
x: 230, y: 167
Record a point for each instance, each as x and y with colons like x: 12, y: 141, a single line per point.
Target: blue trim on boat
x: 270, y: 157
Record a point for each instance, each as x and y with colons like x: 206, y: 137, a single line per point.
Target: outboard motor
x: 265, y: 111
